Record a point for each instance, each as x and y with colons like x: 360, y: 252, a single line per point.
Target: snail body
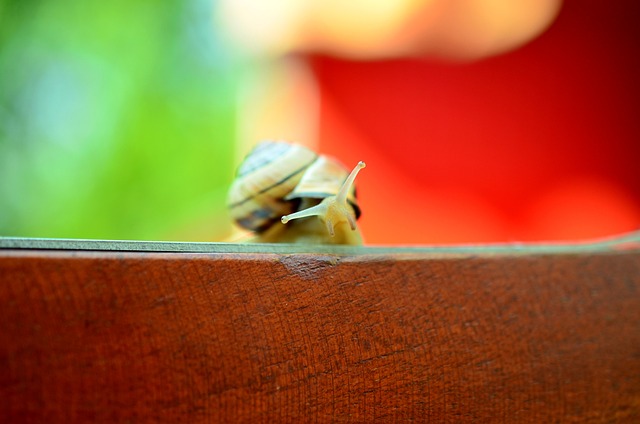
x: 279, y: 183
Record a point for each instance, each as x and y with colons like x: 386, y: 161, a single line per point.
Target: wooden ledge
x: 200, y: 332
x: 620, y: 242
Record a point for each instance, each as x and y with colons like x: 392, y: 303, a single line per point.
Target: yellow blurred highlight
x: 278, y: 100
x: 358, y: 28
x: 260, y: 27
x: 372, y: 29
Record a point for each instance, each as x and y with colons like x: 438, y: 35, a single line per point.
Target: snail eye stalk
x: 333, y: 209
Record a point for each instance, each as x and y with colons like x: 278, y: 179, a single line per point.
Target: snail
x: 287, y: 193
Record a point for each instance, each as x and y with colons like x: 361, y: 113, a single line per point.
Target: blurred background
x: 116, y: 119
x: 480, y: 121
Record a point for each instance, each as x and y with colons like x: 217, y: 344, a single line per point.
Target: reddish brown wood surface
x: 148, y: 337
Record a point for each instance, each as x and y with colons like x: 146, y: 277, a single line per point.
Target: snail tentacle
x: 344, y: 190
x: 317, y: 210
x: 352, y: 222
x: 332, y: 232
x: 333, y: 209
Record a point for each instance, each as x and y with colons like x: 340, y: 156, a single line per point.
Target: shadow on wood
x: 262, y: 337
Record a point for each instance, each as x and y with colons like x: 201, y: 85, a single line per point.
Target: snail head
x: 333, y: 209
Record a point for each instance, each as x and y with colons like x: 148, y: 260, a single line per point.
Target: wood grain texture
x: 260, y: 338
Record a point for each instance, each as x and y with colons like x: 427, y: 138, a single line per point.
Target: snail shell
x: 279, y: 179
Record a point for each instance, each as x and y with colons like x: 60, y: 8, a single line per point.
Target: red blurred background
x: 538, y: 144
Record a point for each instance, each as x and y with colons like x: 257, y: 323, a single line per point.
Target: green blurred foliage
x: 116, y: 119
